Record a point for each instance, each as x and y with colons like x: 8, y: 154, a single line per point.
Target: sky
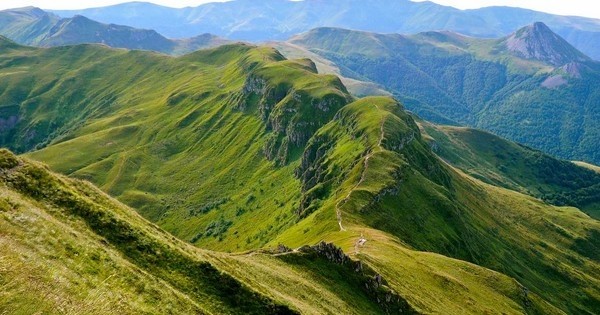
x: 588, y: 8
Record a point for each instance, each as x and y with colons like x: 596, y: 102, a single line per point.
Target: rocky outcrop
x: 374, y: 285
x: 554, y: 82
x: 313, y: 173
x: 573, y: 69
x: 292, y: 113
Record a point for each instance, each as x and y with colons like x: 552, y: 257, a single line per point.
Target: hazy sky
x: 589, y: 8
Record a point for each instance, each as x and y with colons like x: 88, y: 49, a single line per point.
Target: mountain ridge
x: 448, y: 78
x: 23, y: 182
x: 244, y: 20
x: 33, y: 26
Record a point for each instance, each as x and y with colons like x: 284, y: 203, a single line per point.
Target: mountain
x: 281, y: 19
x: 65, y: 239
x: 32, y: 26
x: 530, y: 86
x: 238, y: 149
x: 355, y: 87
x: 538, y: 42
x: 26, y: 25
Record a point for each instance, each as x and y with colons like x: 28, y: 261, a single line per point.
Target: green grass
x: 446, y: 78
x: 79, y: 230
x: 194, y: 120
x: 506, y: 164
x: 67, y: 240
x: 237, y: 149
x: 404, y: 190
x: 58, y: 227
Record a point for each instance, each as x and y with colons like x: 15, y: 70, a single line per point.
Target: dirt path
x: 342, y: 202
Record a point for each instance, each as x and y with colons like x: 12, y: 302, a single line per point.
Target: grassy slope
x: 475, y: 82
x: 358, y: 88
x: 184, y: 119
x: 188, y: 150
x: 403, y: 190
x: 507, y: 164
x: 101, y: 256
x: 26, y: 25
x: 92, y: 255
x: 67, y: 247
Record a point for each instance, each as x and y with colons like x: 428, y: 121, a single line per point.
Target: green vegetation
x: 545, y: 99
x: 506, y: 164
x: 238, y: 149
x: 131, y: 137
x: 389, y: 180
x: 94, y: 255
x: 85, y: 227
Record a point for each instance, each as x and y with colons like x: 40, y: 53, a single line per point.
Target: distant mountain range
x: 530, y: 86
x: 280, y: 19
x: 33, y: 26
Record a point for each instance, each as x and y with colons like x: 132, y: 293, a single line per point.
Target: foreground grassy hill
x: 237, y: 148
x: 67, y: 247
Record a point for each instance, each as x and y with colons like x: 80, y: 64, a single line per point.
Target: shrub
x: 7, y: 159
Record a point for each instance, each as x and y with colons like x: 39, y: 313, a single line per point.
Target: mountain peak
x: 537, y: 41
x: 80, y: 19
x: 29, y: 11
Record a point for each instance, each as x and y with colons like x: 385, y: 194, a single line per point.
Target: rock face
x: 313, y: 173
x: 554, y: 82
x: 538, y: 42
x: 573, y: 69
x: 293, y: 113
x: 373, y: 283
